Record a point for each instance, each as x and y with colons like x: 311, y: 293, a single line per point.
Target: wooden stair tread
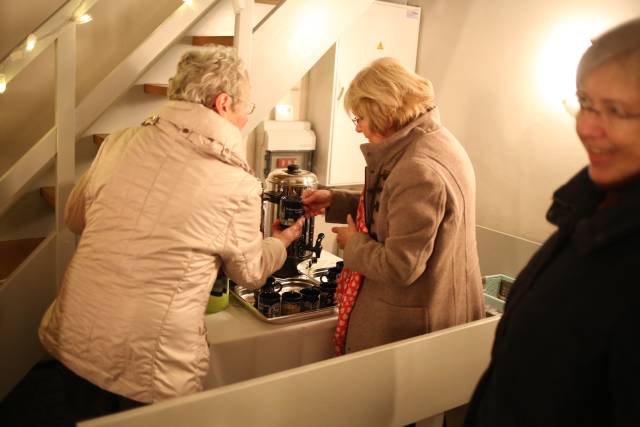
x: 155, y: 89
x: 161, y: 89
x: 49, y: 194
x: 204, y: 40
x: 13, y: 252
x: 98, y: 138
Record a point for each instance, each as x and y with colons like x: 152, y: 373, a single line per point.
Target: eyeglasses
x: 356, y: 120
x: 251, y: 107
x: 609, y: 112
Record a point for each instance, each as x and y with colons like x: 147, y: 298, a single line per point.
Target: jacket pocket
x: 382, y: 323
x: 398, y: 322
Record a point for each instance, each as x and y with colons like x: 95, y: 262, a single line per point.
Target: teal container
x: 496, y: 290
x: 219, y: 297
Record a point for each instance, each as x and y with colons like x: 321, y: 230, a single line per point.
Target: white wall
x: 483, y: 57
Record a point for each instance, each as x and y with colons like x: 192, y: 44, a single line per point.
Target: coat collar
x: 576, y: 204
x: 206, y: 122
x: 380, y: 154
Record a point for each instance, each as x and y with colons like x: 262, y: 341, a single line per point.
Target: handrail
x: 46, y: 33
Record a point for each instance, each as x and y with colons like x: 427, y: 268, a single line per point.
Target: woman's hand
x: 345, y: 233
x: 315, y: 201
x: 289, y: 234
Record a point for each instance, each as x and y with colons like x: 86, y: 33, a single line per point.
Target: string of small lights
x: 28, y: 46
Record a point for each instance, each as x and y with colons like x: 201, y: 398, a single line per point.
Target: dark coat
x: 419, y: 259
x: 565, y: 349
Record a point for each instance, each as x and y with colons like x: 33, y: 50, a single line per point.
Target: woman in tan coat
x: 410, y: 243
x: 161, y: 210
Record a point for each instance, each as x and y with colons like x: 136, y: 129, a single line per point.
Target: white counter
x: 244, y: 347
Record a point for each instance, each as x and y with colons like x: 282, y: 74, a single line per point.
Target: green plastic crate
x: 496, y: 290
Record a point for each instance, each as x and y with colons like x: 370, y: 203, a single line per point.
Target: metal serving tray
x: 246, y: 298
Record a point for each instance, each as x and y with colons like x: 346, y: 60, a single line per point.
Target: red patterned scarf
x: 347, y: 291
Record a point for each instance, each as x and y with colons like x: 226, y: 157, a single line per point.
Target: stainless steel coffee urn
x: 282, y: 198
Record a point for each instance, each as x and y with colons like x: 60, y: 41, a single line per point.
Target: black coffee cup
x: 271, y: 285
x: 310, y: 298
x: 328, y: 294
x: 291, y: 302
x: 269, y: 304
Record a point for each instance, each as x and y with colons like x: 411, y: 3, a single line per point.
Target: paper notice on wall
x: 413, y: 14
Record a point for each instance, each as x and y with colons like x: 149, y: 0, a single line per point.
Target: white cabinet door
x: 384, y: 30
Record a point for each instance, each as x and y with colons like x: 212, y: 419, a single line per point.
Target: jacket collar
x: 206, y: 122
x: 576, y: 204
x: 380, y: 154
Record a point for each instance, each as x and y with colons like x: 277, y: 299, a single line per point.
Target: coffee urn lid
x: 292, y: 175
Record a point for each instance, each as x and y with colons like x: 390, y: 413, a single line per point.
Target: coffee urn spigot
x: 317, y: 248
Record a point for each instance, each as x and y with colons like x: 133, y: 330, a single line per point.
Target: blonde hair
x: 204, y: 74
x: 388, y: 95
x: 620, y: 45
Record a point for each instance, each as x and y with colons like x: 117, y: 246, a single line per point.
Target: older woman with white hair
x: 163, y: 208
x: 565, y: 349
x: 410, y: 257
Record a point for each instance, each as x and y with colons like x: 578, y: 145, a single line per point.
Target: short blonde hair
x: 388, y: 95
x: 620, y: 44
x: 204, y: 74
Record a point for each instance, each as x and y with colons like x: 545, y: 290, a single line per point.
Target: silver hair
x: 620, y: 44
x: 204, y: 74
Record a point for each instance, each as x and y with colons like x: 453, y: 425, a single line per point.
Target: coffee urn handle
x: 271, y: 196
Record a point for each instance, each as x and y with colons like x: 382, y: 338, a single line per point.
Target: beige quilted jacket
x: 162, y: 208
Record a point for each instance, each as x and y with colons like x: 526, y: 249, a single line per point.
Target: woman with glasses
x: 565, y: 349
x: 410, y: 243
x: 163, y: 208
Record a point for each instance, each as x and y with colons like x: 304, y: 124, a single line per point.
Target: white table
x: 244, y: 347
